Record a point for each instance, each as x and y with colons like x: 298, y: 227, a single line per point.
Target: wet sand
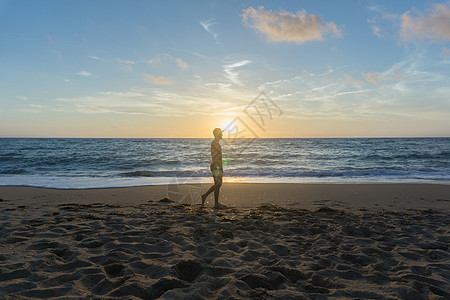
x: 275, y: 241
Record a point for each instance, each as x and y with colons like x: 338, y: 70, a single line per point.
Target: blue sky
x: 181, y: 68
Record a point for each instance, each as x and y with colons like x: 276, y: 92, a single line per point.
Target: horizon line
x: 322, y: 137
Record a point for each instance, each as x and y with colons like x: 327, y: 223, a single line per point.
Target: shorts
x: 217, y: 174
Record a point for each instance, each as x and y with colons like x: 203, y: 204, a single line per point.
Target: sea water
x: 88, y: 163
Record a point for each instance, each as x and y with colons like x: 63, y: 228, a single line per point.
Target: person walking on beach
x: 216, y: 168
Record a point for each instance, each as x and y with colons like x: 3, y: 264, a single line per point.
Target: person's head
x: 217, y: 133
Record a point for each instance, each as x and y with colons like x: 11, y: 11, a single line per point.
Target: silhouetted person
x: 216, y: 168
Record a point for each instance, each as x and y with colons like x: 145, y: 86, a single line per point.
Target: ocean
x: 98, y: 163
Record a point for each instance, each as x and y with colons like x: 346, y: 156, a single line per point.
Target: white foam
x: 91, y: 182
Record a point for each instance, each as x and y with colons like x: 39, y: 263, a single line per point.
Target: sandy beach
x: 275, y: 241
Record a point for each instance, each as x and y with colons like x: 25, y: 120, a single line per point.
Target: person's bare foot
x: 220, y: 206
x: 203, y: 200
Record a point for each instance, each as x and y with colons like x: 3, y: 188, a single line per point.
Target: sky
x: 288, y: 69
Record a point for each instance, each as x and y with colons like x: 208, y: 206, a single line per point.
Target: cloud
x: 352, y: 81
x: 182, y: 64
x: 199, y: 101
x: 382, y: 13
x: 393, y: 74
x: 396, y: 73
x: 207, y: 26
x: 32, y: 108
x: 382, y: 21
x: 318, y: 96
x: 85, y: 74
x: 432, y: 25
x: 377, y: 31
x: 95, y: 58
x: 231, y: 73
x: 407, y: 89
x: 446, y: 51
x: 131, y: 94
x: 127, y: 65
x: 285, y: 26
x: 374, y: 78
x: 157, y: 80
x: 159, y: 58
x: 98, y: 58
x: 128, y: 102
x: 154, y: 60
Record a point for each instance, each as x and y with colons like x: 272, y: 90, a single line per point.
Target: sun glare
x: 226, y: 123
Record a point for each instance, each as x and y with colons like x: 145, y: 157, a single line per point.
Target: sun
x: 226, y: 124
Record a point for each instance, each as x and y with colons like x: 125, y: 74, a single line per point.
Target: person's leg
x: 217, y: 175
x: 205, y: 195
x: 218, y: 184
x: 216, y: 194
x: 211, y: 189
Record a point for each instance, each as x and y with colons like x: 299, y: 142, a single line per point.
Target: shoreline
x: 119, y: 182
x: 437, y: 182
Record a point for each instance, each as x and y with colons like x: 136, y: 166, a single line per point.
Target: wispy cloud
x: 401, y: 90
x: 376, y: 78
x: 85, y: 74
x: 408, y: 89
x: 200, y: 101
x: 126, y: 65
x: 50, y: 37
x: 231, y: 73
x: 446, y: 51
x: 154, y: 60
x: 182, y: 64
x: 128, y: 94
x: 329, y: 96
x: 432, y: 25
x: 377, y: 31
x: 159, y: 58
x: 382, y: 13
x: 129, y: 102
x: 157, y: 80
x: 32, y: 108
x: 285, y: 26
x: 383, y: 21
x: 96, y: 58
x: 207, y: 26
x: 352, y: 81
